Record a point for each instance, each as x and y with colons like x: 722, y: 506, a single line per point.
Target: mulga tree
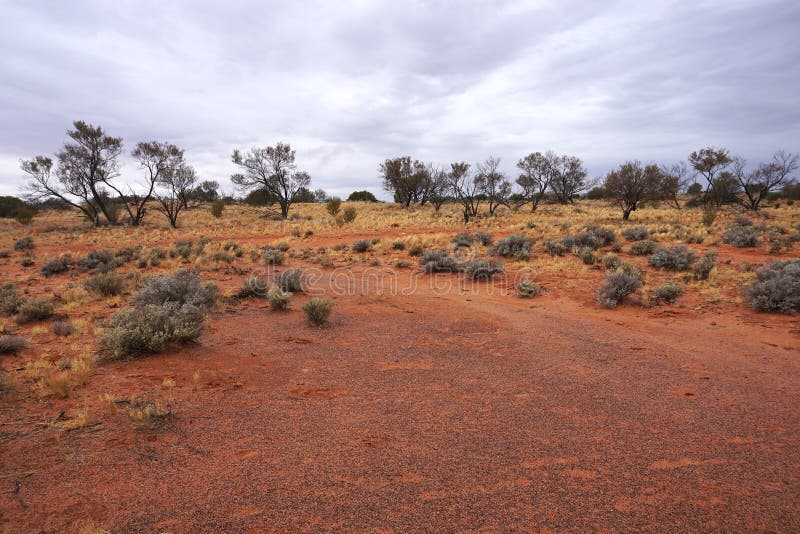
x: 569, y: 178
x: 536, y: 174
x: 465, y: 188
x: 176, y: 179
x: 712, y: 163
x: 273, y: 170
x: 631, y: 184
x: 756, y: 184
x: 493, y: 183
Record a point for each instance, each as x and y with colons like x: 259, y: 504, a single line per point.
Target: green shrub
x: 484, y: 238
x: 362, y: 245
x: 517, y: 246
x: 616, y: 286
x: 463, y: 239
x: 106, y: 284
x: 332, y: 205
x: 98, y: 261
x: 150, y: 328
x: 63, y: 328
x: 555, y: 247
x: 273, y: 256
x: 349, y: 214
x: 704, y: 266
x: 184, y: 248
x: 152, y: 257
x: 11, y: 344
x: 291, y: 281
x: 611, y: 262
x: 26, y: 243
x: 586, y: 254
x: 278, y: 298
x: 437, y: 261
x: 740, y: 236
x: 669, y: 292
x: 482, y: 269
x: 9, y: 299
x: 318, y: 310
x: 677, y: 258
x: 34, y: 310
x: 636, y: 233
x: 56, y: 265
x: 527, y: 288
x: 777, y: 287
x: 644, y: 247
x: 181, y: 287
x: 217, y: 207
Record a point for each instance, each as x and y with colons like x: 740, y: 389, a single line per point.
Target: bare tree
x: 493, y: 183
x: 709, y: 162
x: 465, y: 188
x: 767, y: 177
x: 675, y: 179
x: 632, y: 184
x: 174, y: 180
x: 569, y: 178
x: 85, y: 165
x: 437, y: 186
x: 537, y: 174
x: 273, y: 170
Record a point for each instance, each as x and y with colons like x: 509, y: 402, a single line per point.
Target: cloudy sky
x: 349, y: 84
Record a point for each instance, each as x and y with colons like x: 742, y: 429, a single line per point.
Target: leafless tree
x: 675, y: 179
x: 767, y: 177
x: 174, y: 180
x: 631, y: 184
x: 493, y: 183
x: 537, y: 174
x: 465, y: 188
x: 273, y: 170
x: 437, y: 185
x: 569, y: 178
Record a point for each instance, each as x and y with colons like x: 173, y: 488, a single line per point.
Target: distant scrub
x: 777, y: 287
x: 291, y: 280
x: 278, y: 298
x: 181, y: 287
x: 482, y: 269
x: 106, y: 284
x: 99, y: 261
x: 273, y: 256
x: 437, y: 261
x: 362, y: 245
x: 669, y: 292
x: 10, y: 344
x: 9, y: 299
x: 527, y: 288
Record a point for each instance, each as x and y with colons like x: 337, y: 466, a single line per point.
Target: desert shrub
x: 635, y: 233
x: 252, y: 287
x: 696, y: 239
x: 777, y: 287
x: 402, y: 264
x: 150, y: 328
x: 586, y: 254
x: 555, y: 247
x: 704, y: 266
x: 34, y: 310
x: 106, y: 284
x: 644, y: 247
x: 184, y: 248
x: 742, y: 220
x: 126, y: 254
x: 484, y: 238
x: 437, y: 261
x: 362, y: 245
x: 5, y: 254
x: 611, y: 262
x: 291, y: 280
x: 233, y: 247
x: 710, y: 212
x: 273, y: 256
x: 63, y: 328
x: 283, y: 246
x: 349, y: 214
x: 217, y: 207
x: 151, y: 257
x: 278, y: 298
x: 616, y: 286
x: 9, y: 299
x: 318, y: 310
x: 332, y: 205
x: 398, y: 245
x: 145, y: 413
x: 740, y: 236
x: 527, y: 288
x: 222, y: 256
x: 416, y: 250
x: 11, y: 344
x: 605, y: 235
x: 463, y: 239
x: 677, y: 258
x: 56, y: 265
x: 669, y: 292
x: 482, y: 269
x: 98, y: 261
x: 26, y: 261
x: 181, y: 287
x: 516, y: 246
x: 26, y: 243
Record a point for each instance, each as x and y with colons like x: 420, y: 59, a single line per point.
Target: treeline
x: 550, y: 177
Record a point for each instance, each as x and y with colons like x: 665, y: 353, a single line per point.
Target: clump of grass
x: 34, y: 310
x: 10, y: 344
x: 398, y: 245
x: 704, y: 266
x: 527, y: 288
x: 145, y: 413
x: 616, y: 286
x: 151, y: 257
x: 669, y: 292
x: 555, y: 247
x: 318, y: 310
x: 484, y: 238
x: 9, y: 299
x: 586, y: 254
x: 252, y: 287
x: 63, y: 328
x: 611, y: 262
x: 677, y: 258
x: 645, y: 247
x: 26, y: 243
x: 362, y: 245
x: 278, y: 298
x: 777, y: 287
x: 106, y: 284
x: 273, y: 256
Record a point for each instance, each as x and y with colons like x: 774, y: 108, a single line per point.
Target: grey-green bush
x: 9, y: 299
x: 527, y: 288
x: 777, y: 287
x: 56, y: 265
x: 278, y: 298
x: 437, y: 261
x: 34, y: 310
x: 517, y: 246
x: 106, y: 284
x: 181, y: 287
x: 616, y: 286
x: 669, y: 292
x: 677, y: 258
x: 318, y: 310
x: 26, y: 243
x: 291, y: 280
x: 10, y: 344
x: 273, y: 256
x: 362, y: 245
x: 635, y: 233
x: 740, y: 236
x: 704, y: 266
x: 644, y: 247
x: 482, y: 269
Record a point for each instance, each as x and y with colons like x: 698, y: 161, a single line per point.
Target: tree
x: 631, y: 184
x: 320, y: 195
x: 175, y: 181
x: 537, y: 175
x: 361, y: 196
x: 569, y: 178
x: 437, y: 186
x: 85, y: 165
x: 465, y: 188
x: 709, y: 162
x: 207, y: 191
x: 305, y: 195
x: 674, y: 179
x: 493, y: 183
x: 272, y: 169
x: 409, y: 181
x: 767, y: 177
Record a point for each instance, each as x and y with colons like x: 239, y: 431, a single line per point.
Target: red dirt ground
x: 456, y: 412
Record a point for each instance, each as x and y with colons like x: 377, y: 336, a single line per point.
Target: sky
x: 351, y: 83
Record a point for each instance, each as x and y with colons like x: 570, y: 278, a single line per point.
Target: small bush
x: 669, y: 292
x: 437, y: 261
x: 416, y: 250
x: 34, y: 310
x: 63, y: 328
x: 482, y: 269
x: 26, y: 243
x: 586, y: 254
x: 332, y: 205
x: 516, y: 246
x: 616, y: 286
x: 56, y: 265
x: 777, y: 287
x: 184, y: 248
x: 555, y: 247
x: 11, y: 344
x: 252, y: 287
x: 704, y: 266
x: 283, y: 246
x: 273, y: 256
x: 362, y: 245
x: 291, y: 280
x: 740, y: 236
x: 484, y: 238
x: 677, y: 258
x: 709, y: 214
x: 150, y: 328
x: 463, y: 239
x: 636, y: 233
x: 152, y: 257
x: 106, y: 284
x: 742, y: 220
x: 278, y: 298
x: 527, y: 288
x: 99, y: 261
x: 644, y: 247
x: 611, y: 262
x: 398, y: 245
x: 217, y: 207
x: 181, y: 287
x: 318, y: 310
x: 349, y: 214
x: 9, y: 300
x: 126, y: 254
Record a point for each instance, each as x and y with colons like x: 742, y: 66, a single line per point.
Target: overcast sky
x: 349, y: 84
